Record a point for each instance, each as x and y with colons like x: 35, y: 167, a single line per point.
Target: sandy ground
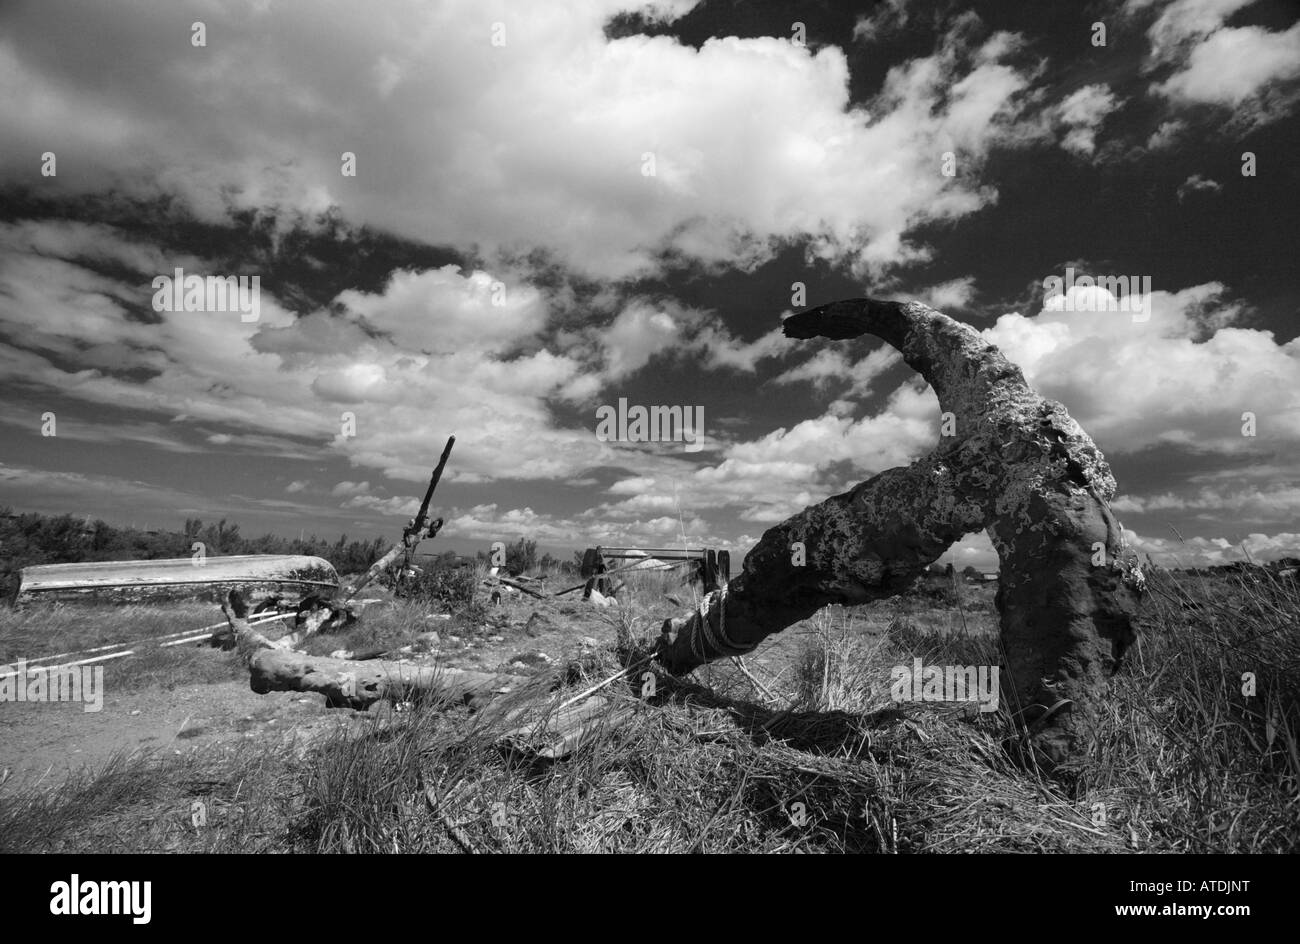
x: 42, y: 743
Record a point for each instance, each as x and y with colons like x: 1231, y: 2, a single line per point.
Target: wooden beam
x: 358, y: 685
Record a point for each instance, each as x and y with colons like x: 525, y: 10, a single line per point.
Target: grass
x: 145, y: 803
x: 803, y: 752
x: 36, y: 632
x: 1195, y: 764
x: 30, y: 632
x: 388, y: 627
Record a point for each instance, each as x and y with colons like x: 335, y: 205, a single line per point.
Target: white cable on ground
x: 69, y: 665
x: 136, y: 642
x: 115, y: 645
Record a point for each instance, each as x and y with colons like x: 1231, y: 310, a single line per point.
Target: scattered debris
x: 500, y: 583
x: 318, y: 615
x: 561, y: 727
x: 349, y: 684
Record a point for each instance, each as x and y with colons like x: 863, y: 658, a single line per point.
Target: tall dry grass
x: 1184, y: 762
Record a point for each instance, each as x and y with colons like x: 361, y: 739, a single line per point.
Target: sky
x: 494, y: 219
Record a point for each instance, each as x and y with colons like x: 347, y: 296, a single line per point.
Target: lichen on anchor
x: 1018, y: 467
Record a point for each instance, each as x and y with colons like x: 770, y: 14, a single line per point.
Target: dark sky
x: 558, y: 206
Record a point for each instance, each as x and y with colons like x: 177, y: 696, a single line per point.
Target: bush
x: 453, y: 588
x: 521, y: 557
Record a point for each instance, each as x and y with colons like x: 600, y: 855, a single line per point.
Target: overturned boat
x: 209, y: 579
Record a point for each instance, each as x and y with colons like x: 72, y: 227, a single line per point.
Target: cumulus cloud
x: 1197, y: 184
x: 831, y: 365
x: 1166, y: 135
x: 445, y: 311
x: 1252, y: 504
x: 772, y: 476
x: 394, y: 506
x: 721, y: 349
x: 540, y: 149
x: 1233, y: 67
x: 888, y: 17
x: 1209, y: 552
x: 376, y: 376
x: 349, y: 489
x: 1182, y: 23
x: 538, y: 142
x: 430, y: 338
x: 1081, y: 114
x: 638, y: 333
x: 376, y: 358
x: 1249, y: 69
x: 1184, y: 377
x: 491, y: 522
x: 74, y: 329
x: 952, y: 295
x: 468, y: 160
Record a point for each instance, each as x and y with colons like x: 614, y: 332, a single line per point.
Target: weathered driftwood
x: 551, y: 732
x: 1019, y: 467
x: 349, y: 684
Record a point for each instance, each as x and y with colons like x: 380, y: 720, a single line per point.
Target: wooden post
x: 710, y: 570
